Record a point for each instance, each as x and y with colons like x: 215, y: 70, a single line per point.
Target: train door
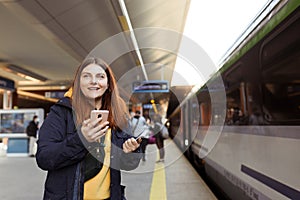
x: 184, y: 126
x: 192, y: 127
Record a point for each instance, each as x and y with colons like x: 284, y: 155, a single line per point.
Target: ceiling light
x: 24, y: 73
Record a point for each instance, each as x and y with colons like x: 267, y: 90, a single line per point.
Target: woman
x: 68, y: 134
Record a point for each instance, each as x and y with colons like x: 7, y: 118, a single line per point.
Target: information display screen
x: 16, y: 121
x: 150, y: 86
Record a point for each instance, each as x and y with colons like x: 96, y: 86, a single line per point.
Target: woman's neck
x: 97, y: 103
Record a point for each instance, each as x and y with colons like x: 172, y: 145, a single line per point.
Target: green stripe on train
x: 274, y: 21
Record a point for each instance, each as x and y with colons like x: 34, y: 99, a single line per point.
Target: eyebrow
x: 101, y: 73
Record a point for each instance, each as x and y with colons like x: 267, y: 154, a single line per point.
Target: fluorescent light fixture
x: 133, y: 38
x: 24, y: 73
x: 43, y: 87
x: 35, y: 96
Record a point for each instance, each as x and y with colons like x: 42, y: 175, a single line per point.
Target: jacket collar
x: 65, y: 101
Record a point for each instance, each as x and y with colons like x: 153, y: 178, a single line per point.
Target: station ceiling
x: 48, y: 39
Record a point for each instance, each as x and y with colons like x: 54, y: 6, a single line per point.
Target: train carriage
x: 255, y: 155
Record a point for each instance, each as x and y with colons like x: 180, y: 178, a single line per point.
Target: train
x: 242, y: 125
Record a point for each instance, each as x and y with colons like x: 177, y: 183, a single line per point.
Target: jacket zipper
x: 79, y: 182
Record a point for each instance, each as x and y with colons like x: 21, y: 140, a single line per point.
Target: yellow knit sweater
x: 99, y: 186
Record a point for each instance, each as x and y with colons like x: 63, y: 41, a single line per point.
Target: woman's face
x: 93, y: 81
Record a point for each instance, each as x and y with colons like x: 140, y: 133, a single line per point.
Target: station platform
x: 174, y: 179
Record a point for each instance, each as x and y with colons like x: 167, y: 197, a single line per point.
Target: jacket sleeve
x: 59, y: 143
x: 128, y: 161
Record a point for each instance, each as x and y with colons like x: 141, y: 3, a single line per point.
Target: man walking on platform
x: 31, y: 131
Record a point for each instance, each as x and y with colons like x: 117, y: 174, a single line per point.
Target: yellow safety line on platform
x: 158, y: 188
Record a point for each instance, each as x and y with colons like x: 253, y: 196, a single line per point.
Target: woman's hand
x: 94, y: 130
x: 130, y: 145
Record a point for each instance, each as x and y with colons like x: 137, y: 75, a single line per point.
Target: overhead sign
x: 147, y: 106
x: 7, y: 84
x: 150, y: 86
x: 57, y: 94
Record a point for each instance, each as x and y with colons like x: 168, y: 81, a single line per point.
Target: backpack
x: 31, y: 129
x: 164, y: 131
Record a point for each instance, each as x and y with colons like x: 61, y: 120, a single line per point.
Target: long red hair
x: 111, y: 100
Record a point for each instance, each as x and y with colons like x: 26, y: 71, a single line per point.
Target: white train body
x: 249, y: 147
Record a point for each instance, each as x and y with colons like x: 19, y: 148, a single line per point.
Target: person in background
x: 31, y: 131
x: 159, y: 140
x: 68, y: 134
x: 138, y: 123
x: 141, y: 130
x: 131, y: 113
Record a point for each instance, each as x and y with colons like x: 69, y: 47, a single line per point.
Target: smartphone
x: 139, y: 140
x: 99, y: 113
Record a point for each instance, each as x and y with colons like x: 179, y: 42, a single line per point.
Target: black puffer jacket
x: 61, y: 151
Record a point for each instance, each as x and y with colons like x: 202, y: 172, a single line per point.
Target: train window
x: 281, y: 91
x: 254, y: 104
x: 204, y: 106
x: 282, y: 101
x: 235, y: 115
x: 280, y: 61
x: 205, y: 114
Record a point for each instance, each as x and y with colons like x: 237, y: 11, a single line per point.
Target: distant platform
x: 174, y: 179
